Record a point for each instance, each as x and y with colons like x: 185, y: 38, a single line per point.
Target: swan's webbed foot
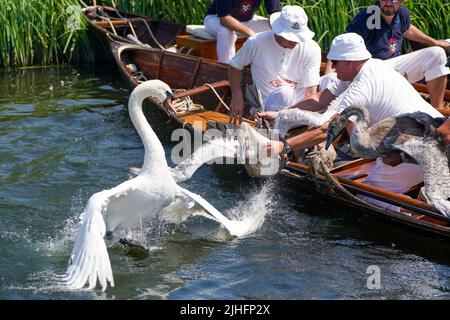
x: 134, y: 249
x: 131, y: 244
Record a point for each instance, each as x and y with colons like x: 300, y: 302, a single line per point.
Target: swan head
x: 157, y: 89
x: 339, y: 122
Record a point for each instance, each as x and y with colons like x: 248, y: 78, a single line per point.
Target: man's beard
x: 390, y: 11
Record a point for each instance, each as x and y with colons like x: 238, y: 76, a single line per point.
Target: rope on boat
x: 185, y: 104
x: 188, y: 52
x: 107, y: 19
x: 217, y: 95
x: 319, y: 166
x: 110, y: 23
x: 131, y: 27
x: 139, y: 76
x: 152, y: 35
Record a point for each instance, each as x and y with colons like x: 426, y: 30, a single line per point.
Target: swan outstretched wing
x: 234, y: 227
x: 89, y: 259
x: 214, y: 149
x: 432, y: 159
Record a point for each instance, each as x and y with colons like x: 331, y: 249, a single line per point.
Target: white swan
x: 414, y: 134
x: 152, y: 191
x: 251, y: 145
x: 249, y: 148
x: 293, y: 117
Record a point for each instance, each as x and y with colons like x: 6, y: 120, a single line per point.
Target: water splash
x: 251, y: 212
x: 248, y: 216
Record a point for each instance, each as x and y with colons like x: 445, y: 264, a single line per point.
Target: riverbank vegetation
x: 39, y: 32
x: 52, y: 31
x: 327, y: 18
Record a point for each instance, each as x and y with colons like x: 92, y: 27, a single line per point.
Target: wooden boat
x: 341, y: 185
x: 132, y: 28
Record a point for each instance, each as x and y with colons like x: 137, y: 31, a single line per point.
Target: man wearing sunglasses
x: 368, y: 83
x: 384, y: 39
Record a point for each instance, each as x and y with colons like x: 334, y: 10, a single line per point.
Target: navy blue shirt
x: 242, y: 10
x: 386, y: 42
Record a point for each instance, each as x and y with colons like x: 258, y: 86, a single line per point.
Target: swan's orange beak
x: 168, y: 105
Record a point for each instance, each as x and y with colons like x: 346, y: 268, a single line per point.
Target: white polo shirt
x: 383, y: 91
x: 274, y: 66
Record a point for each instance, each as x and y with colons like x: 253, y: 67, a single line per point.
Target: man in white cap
x: 285, y: 63
x: 369, y: 83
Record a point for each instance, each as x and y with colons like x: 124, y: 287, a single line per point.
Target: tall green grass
x: 327, y: 18
x: 38, y: 31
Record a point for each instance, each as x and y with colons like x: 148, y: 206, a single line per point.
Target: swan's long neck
x: 154, y: 152
x: 360, y: 139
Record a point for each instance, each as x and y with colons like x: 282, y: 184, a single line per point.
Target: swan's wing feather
x: 89, y: 259
x: 214, y: 149
x: 432, y: 159
x: 209, y: 208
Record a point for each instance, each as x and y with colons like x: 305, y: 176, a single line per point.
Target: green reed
x: 38, y: 31
x: 327, y: 18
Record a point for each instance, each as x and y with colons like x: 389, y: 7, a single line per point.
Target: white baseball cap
x: 292, y: 24
x: 348, y: 47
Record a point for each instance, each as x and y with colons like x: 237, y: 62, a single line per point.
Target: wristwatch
x: 287, y: 151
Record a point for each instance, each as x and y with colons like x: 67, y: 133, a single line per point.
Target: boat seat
x: 199, y: 31
x: 200, y: 119
x: 201, y: 46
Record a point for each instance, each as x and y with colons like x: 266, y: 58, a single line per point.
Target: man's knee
x: 226, y: 34
x: 436, y: 55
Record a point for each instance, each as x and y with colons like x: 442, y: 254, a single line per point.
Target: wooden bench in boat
x: 200, y: 119
x: 205, y: 48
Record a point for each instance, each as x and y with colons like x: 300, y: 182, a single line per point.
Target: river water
x: 65, y: 134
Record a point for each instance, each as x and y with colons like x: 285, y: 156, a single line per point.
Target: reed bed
x: 38, y: 32
x: 327, y: 18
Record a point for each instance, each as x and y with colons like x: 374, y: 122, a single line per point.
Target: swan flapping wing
x: 235, y: 228
x: 432, y: 159
x: 214, y: 149
x: 89, y: 259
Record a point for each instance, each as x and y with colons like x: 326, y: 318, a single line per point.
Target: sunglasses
x: 334, y: 61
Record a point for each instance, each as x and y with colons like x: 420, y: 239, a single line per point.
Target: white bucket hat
x: 348, y: 47
x: 292, y: 24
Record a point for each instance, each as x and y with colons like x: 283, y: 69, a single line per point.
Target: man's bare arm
x: 307, y: 139
x: 414, y: 34
x: 316, y: 102
x: 234, y: 24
